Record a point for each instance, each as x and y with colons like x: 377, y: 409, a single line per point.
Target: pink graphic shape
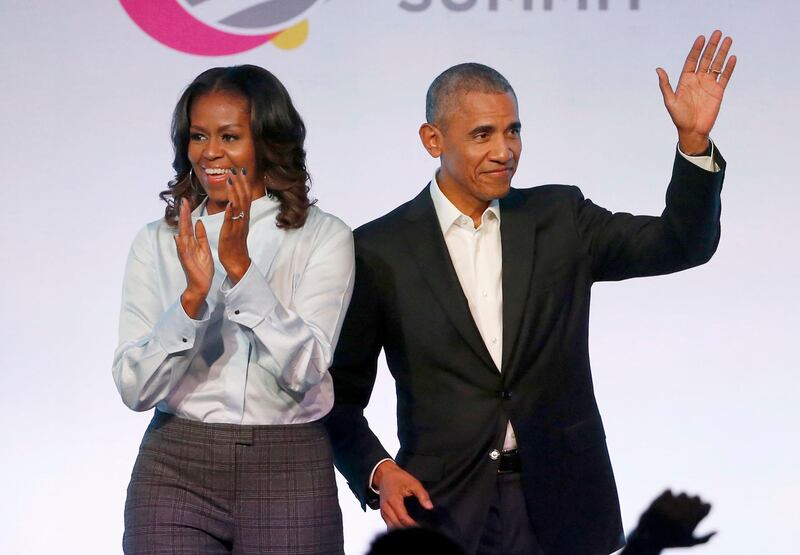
x: 170, y: 24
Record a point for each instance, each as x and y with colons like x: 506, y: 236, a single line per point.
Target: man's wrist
x: 694, y: 144
x: 377, y: 474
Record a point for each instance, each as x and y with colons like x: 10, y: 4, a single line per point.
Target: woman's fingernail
x: 233, y: 171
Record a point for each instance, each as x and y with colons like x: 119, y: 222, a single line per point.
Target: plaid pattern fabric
x: 201, y: 488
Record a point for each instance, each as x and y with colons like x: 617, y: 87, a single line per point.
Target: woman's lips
x: 216, y: 177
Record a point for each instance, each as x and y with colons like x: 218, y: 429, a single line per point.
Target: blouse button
x: 236, y: 312
x: 184, y: 340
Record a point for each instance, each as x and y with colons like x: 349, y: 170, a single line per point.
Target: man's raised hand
x: 695, y: 102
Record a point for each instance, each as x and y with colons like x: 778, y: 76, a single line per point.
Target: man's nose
x: 501, y: 151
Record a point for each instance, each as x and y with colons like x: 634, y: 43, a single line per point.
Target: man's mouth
x: 501, y: 171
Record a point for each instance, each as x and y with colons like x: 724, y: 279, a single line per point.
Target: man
x: 479, y: 295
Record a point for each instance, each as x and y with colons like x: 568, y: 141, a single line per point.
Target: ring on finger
x: 239, y: 216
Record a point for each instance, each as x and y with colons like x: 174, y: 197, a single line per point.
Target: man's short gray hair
x: 460, y: 79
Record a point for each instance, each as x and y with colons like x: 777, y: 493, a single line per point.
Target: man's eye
x: 515, y: 132
x: 482, y: 136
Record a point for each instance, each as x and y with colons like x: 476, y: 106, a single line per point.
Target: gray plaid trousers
x: 201, y: 488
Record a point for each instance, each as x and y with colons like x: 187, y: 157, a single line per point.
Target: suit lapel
x: 518, y: 237
x: 427, y: 246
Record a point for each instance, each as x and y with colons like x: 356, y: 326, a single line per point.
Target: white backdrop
x: 695, y: 373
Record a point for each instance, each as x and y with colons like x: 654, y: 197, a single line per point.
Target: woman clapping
x: 231, y: 308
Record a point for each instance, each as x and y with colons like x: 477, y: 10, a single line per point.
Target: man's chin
x: 497, y: 192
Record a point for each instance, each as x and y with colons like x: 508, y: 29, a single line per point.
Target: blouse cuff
x: 251, y: 300
x: 176, y: 331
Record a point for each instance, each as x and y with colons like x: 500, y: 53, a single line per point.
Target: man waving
x: 479, y: 295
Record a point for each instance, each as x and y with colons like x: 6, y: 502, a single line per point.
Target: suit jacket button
x: 494, y: 455
x: 505, y: 395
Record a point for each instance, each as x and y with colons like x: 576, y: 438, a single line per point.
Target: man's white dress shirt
x: 260, y: 352
x: 476, y: 255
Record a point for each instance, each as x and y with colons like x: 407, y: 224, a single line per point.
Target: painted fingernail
x: 244, y: 171
x: 230, y: 181
x: 233, y: 171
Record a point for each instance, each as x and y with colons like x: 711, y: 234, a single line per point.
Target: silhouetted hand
x: 670, y: 521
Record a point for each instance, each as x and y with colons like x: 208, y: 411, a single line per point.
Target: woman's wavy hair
x: 278, y: 132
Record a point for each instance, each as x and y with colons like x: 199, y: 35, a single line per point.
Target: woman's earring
x: 267, y: 192
x: 191, y: 180
x: 193, y: 184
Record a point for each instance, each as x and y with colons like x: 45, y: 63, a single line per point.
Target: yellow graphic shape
x: 292, y: 37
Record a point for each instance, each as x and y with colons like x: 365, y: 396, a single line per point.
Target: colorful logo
x: 222, y: 27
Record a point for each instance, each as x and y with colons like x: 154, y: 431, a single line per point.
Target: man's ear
x: 431, y: 138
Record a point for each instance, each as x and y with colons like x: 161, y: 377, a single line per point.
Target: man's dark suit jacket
x: 453, y: 404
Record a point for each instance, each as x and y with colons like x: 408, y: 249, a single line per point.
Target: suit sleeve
x: 356, y: 449
x: 686, y: 234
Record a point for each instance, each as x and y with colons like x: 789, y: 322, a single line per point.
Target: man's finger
x: 398, y: 506
x: 727, y: 72
x: 388, y: 516
x: 722, y: 53
x: 690, y: 65
x: 708, y: 54
x: 422, y: 495
x: 666, y: 88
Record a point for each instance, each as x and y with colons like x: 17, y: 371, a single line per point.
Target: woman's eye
x: 196, y: 137
x: 229, y: 138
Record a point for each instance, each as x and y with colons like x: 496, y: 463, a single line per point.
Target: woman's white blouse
x: 260, y: 352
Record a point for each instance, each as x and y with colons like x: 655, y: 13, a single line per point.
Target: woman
x: 231, y: 308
